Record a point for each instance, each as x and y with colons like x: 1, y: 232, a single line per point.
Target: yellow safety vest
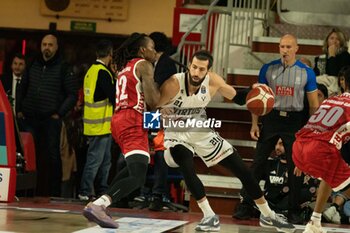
x: 97, y: 115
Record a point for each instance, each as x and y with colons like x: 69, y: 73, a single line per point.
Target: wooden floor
x: 45, y: 215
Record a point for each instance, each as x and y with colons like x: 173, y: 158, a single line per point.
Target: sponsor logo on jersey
x: 276, y: 179
x: 284, y: 91
x: 187, y: 111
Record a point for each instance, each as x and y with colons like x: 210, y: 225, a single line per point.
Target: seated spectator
x: 336, y: 56
x: 306, y: 61
x: 340, y: 205
x: 339, y: 211
x: 346, y: 210
x: 276, y: 185
x: 341, y: 78
x: 322, y: 92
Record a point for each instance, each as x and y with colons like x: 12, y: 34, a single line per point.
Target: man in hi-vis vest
x: 99, y: 101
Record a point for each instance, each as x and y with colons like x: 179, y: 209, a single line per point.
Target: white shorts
x: 209, y: 146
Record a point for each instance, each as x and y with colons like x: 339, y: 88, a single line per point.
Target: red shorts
x: 127, y: 131
x: 322, y: 160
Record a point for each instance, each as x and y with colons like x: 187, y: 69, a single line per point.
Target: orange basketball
x: 260, y: 100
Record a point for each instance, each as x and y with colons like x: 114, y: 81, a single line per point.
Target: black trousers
x: 130, y: 178
x: 47, y: 134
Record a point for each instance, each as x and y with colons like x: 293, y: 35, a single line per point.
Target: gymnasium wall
x: 142, y: 16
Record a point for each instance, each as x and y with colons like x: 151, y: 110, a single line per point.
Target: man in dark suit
x: 12, y: 81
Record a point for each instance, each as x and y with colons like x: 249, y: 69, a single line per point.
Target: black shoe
x: 306, y: 213
x: 295, y: 218
x: 139, y: 202
x: 156, y: 204
x: 344, y: 219
x: 244, y: 212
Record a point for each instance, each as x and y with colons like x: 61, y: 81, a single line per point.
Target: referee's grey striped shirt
x: 289, y: 84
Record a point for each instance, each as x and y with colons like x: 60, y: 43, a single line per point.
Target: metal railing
x: 222, y: 28
x: 327, y: 13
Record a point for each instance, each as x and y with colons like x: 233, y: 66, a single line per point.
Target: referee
x: 291, y: 81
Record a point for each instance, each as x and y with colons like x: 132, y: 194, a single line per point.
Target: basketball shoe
x: 99, y: 215
x: 278, y: 221
x: 211, y: 223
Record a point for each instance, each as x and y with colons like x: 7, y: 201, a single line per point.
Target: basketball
x: 260, y: 100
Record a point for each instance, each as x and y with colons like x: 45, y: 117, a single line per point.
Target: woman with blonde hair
x: 336, y: 55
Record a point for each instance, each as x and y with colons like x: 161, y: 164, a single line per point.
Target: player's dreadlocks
x: 129, y: 49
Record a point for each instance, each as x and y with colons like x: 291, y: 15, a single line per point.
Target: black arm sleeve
x: 164, y: 69
x: 241, y: 96
x: 104, y: 87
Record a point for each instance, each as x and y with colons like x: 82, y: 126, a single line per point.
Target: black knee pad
x: 137, y: 167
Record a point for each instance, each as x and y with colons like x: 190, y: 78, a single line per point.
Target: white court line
x: 35, y: 209
x: 42, y: 210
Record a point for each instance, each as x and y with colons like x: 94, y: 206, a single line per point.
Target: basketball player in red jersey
x: 316, y: 150
x: 135, y: 88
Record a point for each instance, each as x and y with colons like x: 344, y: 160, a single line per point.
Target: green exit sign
x: 82, y: 26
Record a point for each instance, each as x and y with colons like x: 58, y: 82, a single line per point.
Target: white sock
x: 265, y: 210
x: 316, y: 218
x: 206, y: 209
x: 103, y: 200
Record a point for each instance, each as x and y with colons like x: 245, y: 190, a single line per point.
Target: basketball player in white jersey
x: 184, y: 97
